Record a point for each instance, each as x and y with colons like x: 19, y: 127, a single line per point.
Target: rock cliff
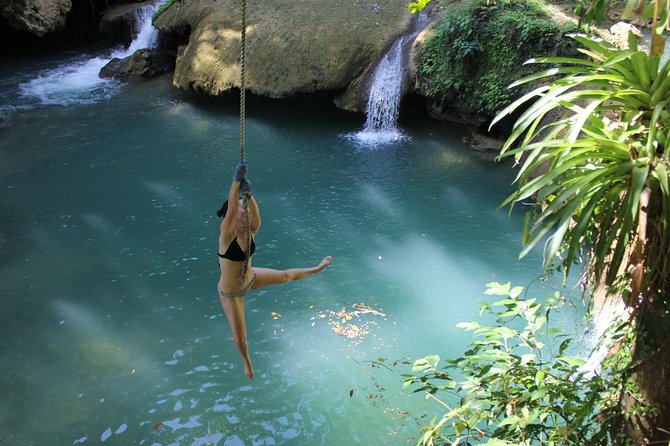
x: 38, y: 17
x: 292, y: 47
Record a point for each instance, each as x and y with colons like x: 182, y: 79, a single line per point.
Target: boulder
x: 618, y: 35
x: 292, y: 47
x: 38, y: 17
x: 143, y: 64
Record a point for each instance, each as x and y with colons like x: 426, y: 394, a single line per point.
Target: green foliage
x: 478, y: 50
x: 606, y: 148
x: 520, y: 386
x: 590, y: 11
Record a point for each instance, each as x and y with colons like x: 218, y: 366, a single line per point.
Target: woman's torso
x: 231, y: 269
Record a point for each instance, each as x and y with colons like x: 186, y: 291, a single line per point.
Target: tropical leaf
x: 605, y: 147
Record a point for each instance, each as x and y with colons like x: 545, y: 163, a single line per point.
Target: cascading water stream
x: 385, y: 94
x: 79, y: 82
x: 612, y: 311
x: 384, y: 100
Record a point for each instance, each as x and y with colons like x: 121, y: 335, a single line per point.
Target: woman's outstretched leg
x: 267, y: 276
x: 233, y: 307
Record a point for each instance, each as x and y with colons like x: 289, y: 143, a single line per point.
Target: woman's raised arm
x: 254, y: 212
x: 234, y: 196
x: 254, y: 215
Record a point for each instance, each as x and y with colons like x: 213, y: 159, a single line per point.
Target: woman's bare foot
x: 248, y: 369
x: 324, y: 263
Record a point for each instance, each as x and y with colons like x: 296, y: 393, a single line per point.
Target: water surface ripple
x: 112, y: 330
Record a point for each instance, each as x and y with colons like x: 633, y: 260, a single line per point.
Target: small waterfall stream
x: 78, y: 82
x: 612, y: 311
x: 384, y: 100
x: 386, y: 91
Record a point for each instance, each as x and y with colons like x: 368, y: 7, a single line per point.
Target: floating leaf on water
x: 339, y: 321
x: 366, y: 309
x: 158, y: 425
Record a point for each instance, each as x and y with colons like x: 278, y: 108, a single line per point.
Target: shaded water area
x: 111, y: 327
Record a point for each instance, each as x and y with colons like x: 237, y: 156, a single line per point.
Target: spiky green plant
x: 606, y: 151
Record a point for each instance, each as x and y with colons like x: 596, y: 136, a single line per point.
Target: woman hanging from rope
x: 237, y: 274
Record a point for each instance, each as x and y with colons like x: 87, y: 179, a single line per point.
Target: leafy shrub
x: 517, y: 386
x: 478, y: 50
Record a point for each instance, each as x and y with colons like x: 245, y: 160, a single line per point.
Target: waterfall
x: 386, y: 91
x: 147, y: 35
x: 612, y: 311
x: 78, y: 81
x: 384, y: 100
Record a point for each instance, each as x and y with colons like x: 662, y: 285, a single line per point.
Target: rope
x: 243, y: 44
x: 243, y: 108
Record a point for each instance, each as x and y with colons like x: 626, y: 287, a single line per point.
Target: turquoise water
x: 112, y: 329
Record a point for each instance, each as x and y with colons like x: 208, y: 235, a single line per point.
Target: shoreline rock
x: 143, y: 64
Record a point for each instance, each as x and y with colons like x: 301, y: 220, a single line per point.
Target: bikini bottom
x: 241, y: 292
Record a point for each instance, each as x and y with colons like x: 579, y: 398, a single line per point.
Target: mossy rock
x: 292, y: 47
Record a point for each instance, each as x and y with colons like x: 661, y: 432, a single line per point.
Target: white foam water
x: 386, y: 90
x: 612, y: 311
x: 384, y: 101
x: 79, y: 82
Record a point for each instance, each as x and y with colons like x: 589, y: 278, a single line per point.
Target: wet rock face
x: 143, y: 64
x: 38, y: 17
x: 292, y: 47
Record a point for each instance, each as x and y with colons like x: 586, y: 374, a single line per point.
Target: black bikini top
x: 235, y: 253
